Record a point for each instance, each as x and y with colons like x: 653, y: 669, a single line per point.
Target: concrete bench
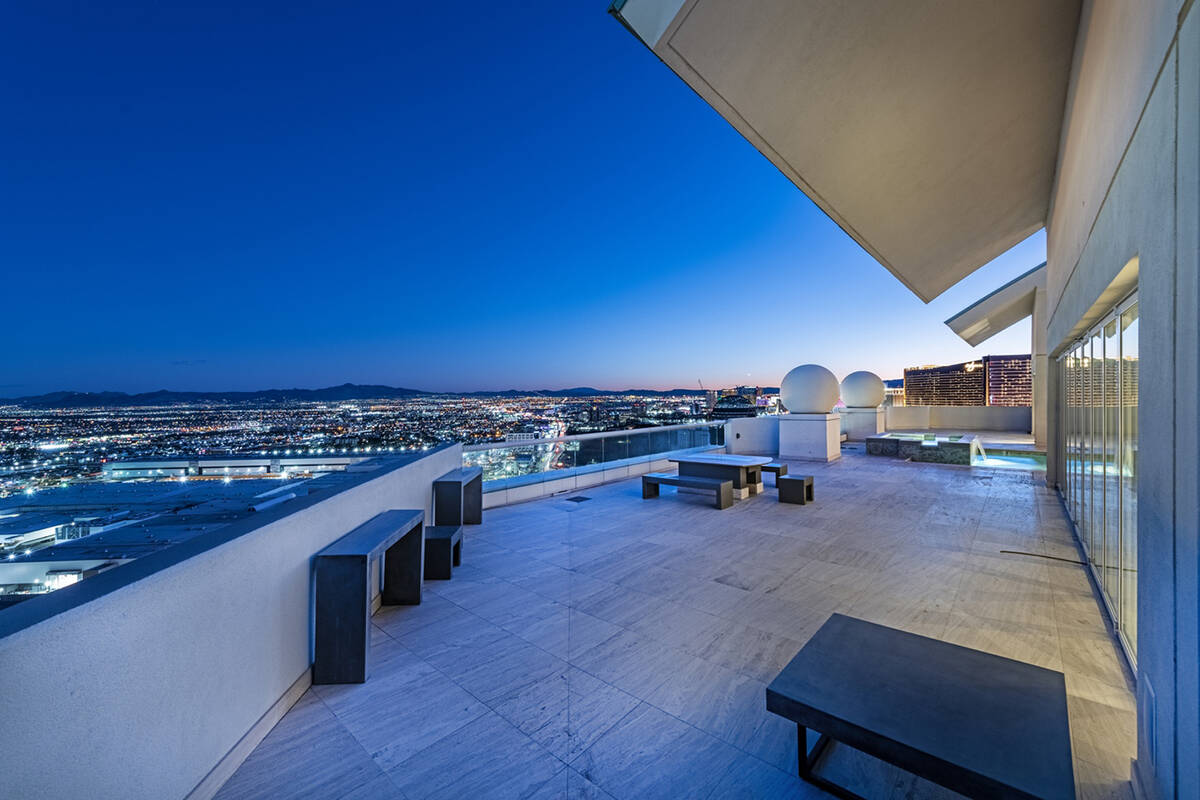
x: 443, y: 551
x: 342, y: 590
x: 795, y: 488
x: 722, y: 490
x: 458, y: 497
x: 777, y: 468
x: 978, y: 724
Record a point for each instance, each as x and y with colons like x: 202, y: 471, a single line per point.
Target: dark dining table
x: 744, y: 471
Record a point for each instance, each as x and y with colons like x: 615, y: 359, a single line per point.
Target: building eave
x: 928, y: 131
x: 999, y: 309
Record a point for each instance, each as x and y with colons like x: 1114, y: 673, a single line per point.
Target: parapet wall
x: 752, y: 436
x: 544, y: 484
x: 760, y: 435
x: 143, y: 690
x: 960, y: 418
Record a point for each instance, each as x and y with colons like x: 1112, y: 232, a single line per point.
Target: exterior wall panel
x: 1119, y: 50
x: 1135, y: 220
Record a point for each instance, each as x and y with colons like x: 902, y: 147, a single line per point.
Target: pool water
x: 1031, y: 461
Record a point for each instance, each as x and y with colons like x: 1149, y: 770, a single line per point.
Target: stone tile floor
x: 620, y: 647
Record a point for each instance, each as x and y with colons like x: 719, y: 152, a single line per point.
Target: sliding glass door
x: 1098, y: 396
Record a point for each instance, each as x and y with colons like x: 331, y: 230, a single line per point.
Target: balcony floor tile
x: 620, y: 648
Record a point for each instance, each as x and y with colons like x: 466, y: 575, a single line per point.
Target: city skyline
x: 307, y: 221
x: 564, y: 391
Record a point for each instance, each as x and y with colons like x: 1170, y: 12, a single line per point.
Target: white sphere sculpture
x: 862, y: 389
x: 809, y: 389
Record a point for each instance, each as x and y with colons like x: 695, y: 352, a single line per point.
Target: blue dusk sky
x: 448, y: 196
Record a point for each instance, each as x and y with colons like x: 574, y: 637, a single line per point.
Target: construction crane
x: 708, y: 406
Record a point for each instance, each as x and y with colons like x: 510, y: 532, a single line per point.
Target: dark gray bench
x: 458, y: 497
x: 342, y: 590
x: 978, y: 724
x: 795, y: 488
x: 443, y: 551
x: 776, y: 467
x: 723, y: 490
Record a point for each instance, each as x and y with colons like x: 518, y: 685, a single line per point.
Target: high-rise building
x: 1009, y: 380
x: 990, y: 381
x: 951, y: 385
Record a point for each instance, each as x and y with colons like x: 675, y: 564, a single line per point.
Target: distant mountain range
x: 347, y: 391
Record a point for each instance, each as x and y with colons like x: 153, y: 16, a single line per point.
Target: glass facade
x: 1098, y: 390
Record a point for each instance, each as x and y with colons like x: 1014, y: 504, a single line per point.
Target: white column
x: 810, y: 437
x: 1040, y: 365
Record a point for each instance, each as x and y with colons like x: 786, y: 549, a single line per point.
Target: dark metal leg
x: 437, y: 559
x: 458, y: 554
x: 472, y: 503
x: 792, y: 491
x: 724, y: 496
x: 447, y: 503
x: 808, y: 762
x: 809, y: 758
x: 403, y: 565
x: 802, y: 751
x: 649, y: 490
x: 343, y: 620
x: 740, y: 481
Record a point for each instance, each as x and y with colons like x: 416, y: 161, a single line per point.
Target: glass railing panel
x: 546, y: 460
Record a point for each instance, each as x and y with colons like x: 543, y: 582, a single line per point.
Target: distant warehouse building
x: 990, y: 381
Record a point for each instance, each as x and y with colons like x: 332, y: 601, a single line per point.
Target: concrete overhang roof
x: 928, y: 130
x: 1006, y: 306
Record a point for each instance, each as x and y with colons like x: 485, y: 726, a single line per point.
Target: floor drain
x: 577, y: 499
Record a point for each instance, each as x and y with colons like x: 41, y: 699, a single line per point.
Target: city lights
x: 46, y: 448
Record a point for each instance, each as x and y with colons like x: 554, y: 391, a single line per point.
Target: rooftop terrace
x: 620, y: 647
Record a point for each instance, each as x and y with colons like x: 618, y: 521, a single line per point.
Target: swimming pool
x: 1010, y: 459
x: 963, y: 449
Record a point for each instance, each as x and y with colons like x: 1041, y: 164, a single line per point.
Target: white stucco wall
x: 963, y: 418
x: 1187, y: 417
x: 140, y: 692
x: 760, y: 435
x: 757, y: 436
